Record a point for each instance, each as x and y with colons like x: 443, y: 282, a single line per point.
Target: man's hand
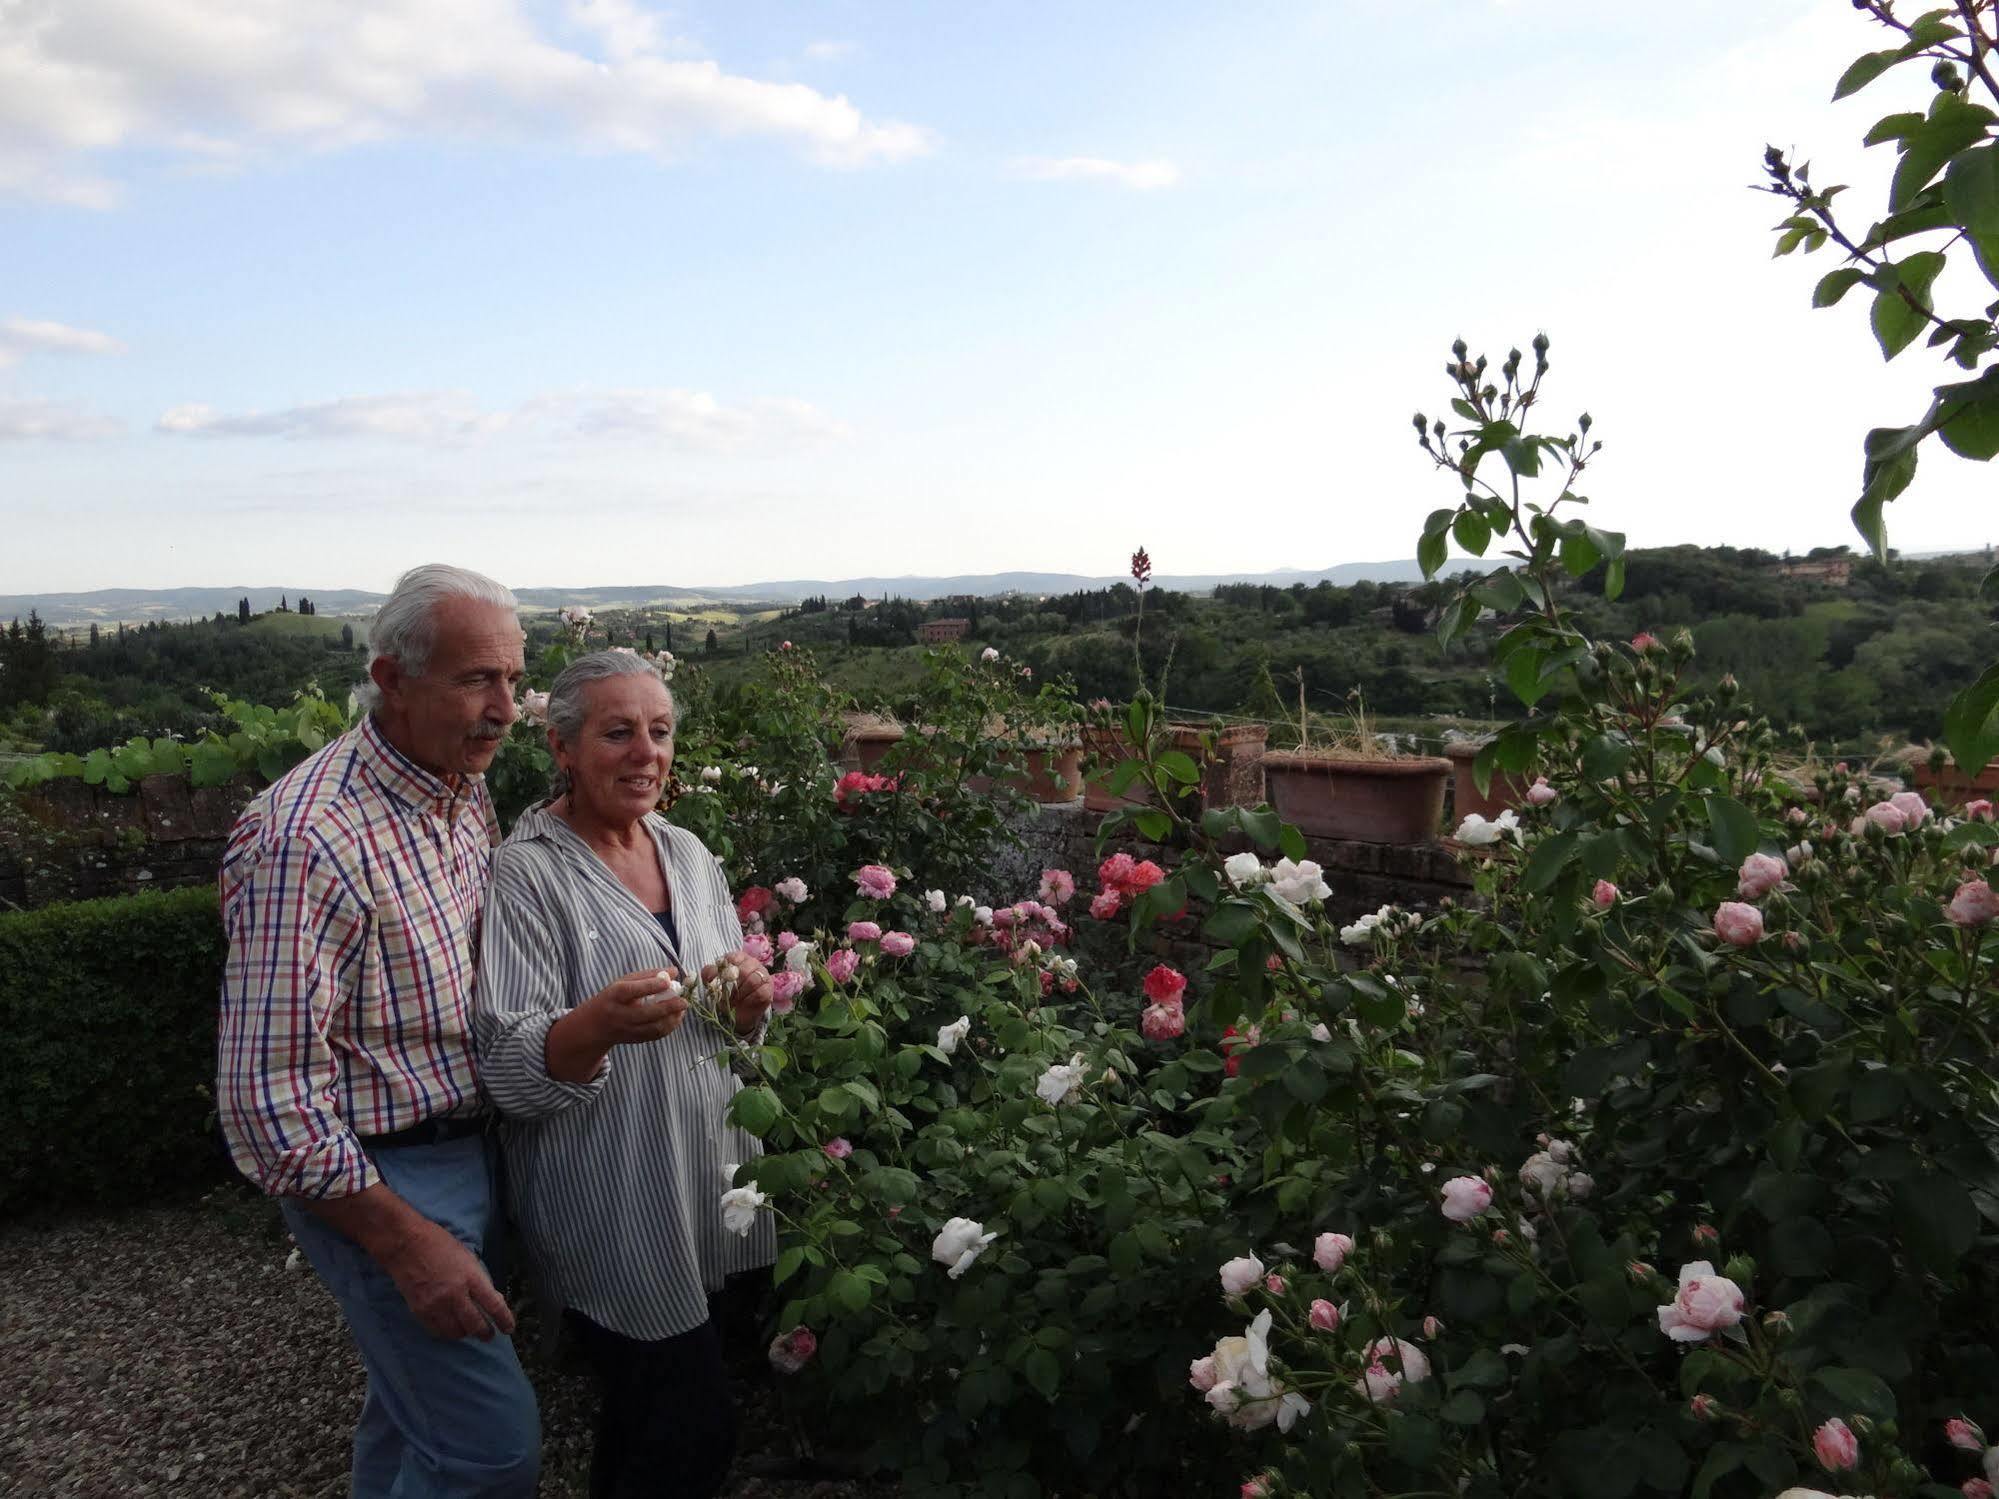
x: 753, y: 993
x: 446, y: 1287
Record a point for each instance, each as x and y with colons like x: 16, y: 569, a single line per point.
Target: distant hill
x: 138, y: 605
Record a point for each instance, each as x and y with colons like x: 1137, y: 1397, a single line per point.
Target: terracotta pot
x: 1363, y: 801
x: 863, y: 748
x: 1954, y: 788
x: 1506, y: 791
x: 1054, y: 774
x: 1231, y: 776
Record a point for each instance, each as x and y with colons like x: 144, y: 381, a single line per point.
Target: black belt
x: 439, y: 1130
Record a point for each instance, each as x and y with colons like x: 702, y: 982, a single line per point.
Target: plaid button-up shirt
x: 351, y: 895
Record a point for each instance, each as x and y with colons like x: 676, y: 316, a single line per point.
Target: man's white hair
x: 405, y: 627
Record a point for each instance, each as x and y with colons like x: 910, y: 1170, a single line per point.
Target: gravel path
x: 170, y: 1353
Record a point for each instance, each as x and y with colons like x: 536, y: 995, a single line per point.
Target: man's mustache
x: 489, y: 729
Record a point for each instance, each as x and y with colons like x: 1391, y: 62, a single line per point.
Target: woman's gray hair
x: 567, y: 710
x: 404, y: 629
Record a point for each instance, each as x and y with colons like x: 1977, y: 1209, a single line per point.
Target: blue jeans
x: 443, y: 1418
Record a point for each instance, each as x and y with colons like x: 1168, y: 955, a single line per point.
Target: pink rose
x: 1465, y: 1197
x: 1324, y: 1316
x: 1975, y: 1488
x: 1330, y: 1251
x: 1105, y: 906
x: 898, y: 944
x: 1915, y: 809
x: 1704, y: 1408
x: 785, y: 987
x: 1737, y: 924
x: 1706, y: 1304
x: 792, y: 1351
x: 838, y: 1148
x: 1162, y: 1022
x: 863, y: 931
x: 1254, y: 1488
x: 1274, y: 1283
x: 1836, y: 1447
x: 875, y: 881
x: 757, y: 945
x: 1164, y: 985
x: 1201, y: 1373
x: 1540, y: 794
x: 1797, y: 817
x: 1964, y: 1434
x: 1604, y: 896
x: 842, y: 965
x: 1884, y: 815
x: 1975, y: 904
x: 786, y: 941
x: 1058, y: 886
x: 1431, y: 1327
x: 1644, y: 640
x: 1760, y: 874
x: 1979, y: 810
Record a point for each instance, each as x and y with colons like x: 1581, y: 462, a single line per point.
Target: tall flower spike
x: 1141, y: 567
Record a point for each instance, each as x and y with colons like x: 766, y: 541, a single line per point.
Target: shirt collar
x: 407, y: 782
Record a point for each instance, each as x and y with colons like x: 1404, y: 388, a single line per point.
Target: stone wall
x: 65, y: 840
x: 68, y: 841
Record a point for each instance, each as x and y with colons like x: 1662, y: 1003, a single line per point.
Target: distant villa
x: 1834, y: 572
x: 938, y: 631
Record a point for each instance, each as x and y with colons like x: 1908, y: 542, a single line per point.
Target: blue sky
x: 307, y: 291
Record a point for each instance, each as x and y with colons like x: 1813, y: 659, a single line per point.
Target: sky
x: 305, y: 292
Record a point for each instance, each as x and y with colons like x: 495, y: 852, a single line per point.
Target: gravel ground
x: 170, y: 1353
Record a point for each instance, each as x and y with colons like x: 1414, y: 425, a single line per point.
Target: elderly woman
x: 617, y: 1144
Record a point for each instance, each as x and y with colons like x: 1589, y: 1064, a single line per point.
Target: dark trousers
x: 667, y: 1427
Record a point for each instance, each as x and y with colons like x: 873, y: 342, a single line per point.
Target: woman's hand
x: 753, y: 994
x: 629, y: 1011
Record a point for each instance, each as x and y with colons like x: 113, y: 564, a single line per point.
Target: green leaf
x: 1472, y: 532
x: 1836, y: 284
x: 1900, y: 308
x: 1550, y: 857
x: 1579, y: 553
x: 1431, y: 552
x: 1181, y: 767
x: 1971, y: 723
x: 1966, y: 416
x: 1613, y: 579
x: 756, y: 1110
x: 1952, y: 125
x: 848, y: 1291
x: 1859, y: 1390
x: 787, y: 1265
x: 1938, y: 1220
x: 1523, y: 675
x: 1863, y: 71
x: 1463, y: 1409
x: 1734, y: 829
x: 1153, y: 825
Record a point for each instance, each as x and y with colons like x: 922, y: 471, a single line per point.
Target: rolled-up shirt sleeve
x: 522, y: 992
x: 296, y: 932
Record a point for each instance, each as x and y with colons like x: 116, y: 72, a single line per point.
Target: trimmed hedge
x: 107, y: 1049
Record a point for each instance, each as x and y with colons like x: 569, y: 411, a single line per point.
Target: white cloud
x: 23, y: 336
x: 1141, y: 175
x: 215, y: 80
x: 831, y: 51
x: 693, y: 421
x: 28, y: 419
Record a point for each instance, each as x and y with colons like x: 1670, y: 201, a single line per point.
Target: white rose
x: 1243, y: 869
x: 935, y: 900
x: 799, y: 959
x: 989, y: 654
x: 1391, y: 1362
x: 958, y: 1243
x: 1361, y: 932
x: 1320, y: 1033
x: 1061, y: 1083
x: 1298, y: 881
x: 1241, y: 1274
x: 1544, y: 1174
x: 793, y: 889
x: 1476, y: 832
x: 949, y: 1037
x: 739, y: 1208
x: 982, y: 915
x: 711, y: 775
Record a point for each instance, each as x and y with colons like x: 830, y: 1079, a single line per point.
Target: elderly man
x: 351, y: 894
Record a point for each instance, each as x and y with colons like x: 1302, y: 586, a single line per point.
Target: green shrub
x: 107, y: 1049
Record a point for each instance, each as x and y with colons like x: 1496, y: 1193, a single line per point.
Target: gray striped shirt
x: 616, y: 1183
